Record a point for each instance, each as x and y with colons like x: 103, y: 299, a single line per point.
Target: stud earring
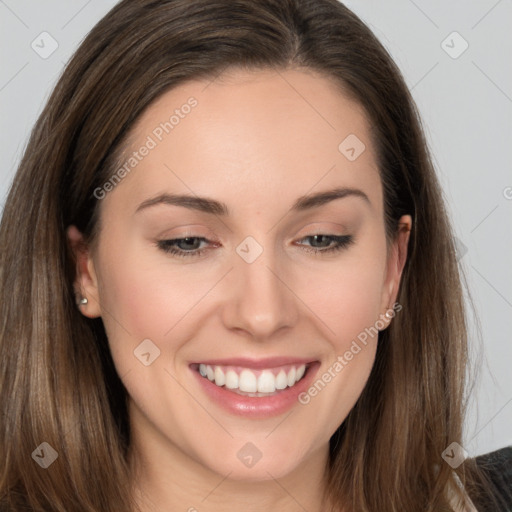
x: 82, y: 301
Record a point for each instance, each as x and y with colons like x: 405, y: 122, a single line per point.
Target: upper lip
x: 257, y: 364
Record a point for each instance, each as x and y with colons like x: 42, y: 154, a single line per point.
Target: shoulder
x: 497, y: 466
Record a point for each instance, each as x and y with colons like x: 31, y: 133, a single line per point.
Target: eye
x: 334, y: 243
x: 183, y: 247
x: 191, y: 245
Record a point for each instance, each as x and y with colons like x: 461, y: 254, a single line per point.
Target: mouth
x: 255, y: 389
x: 253, y: 382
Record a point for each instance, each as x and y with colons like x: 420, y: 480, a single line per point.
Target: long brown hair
x: 58, y: 384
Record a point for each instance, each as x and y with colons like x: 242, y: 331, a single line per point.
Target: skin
x: 256, y: 141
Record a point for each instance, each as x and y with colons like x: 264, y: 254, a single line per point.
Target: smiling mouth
x: 253, y: 382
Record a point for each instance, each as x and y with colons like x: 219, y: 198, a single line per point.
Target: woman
x: 217, y: 275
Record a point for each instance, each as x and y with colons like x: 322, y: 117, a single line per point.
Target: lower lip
x: 257, y: 407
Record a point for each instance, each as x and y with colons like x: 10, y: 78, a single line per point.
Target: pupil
x: 189, y: 241
x: 319, y: 238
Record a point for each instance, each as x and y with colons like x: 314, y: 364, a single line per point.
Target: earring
x: 82, y: 301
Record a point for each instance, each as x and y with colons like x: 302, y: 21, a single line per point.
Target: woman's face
x: 245, y: 299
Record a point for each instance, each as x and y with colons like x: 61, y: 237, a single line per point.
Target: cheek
x: 347, y: 300
x: 346, y: 297
x: 144, y: 299
x: 149, y: 301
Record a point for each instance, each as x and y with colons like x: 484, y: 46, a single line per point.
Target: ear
x: 397, y: 257
x: 86, y: 282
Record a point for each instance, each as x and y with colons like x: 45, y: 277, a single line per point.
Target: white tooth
x: 247, y: 382
x: 281, y: 380
x: 231, y: 379
x: 300, y: 372
x: 291, y: 376
x: 202, y: 369
x: 209, y: 372
x: 266, y: 382
x: 220, y: 378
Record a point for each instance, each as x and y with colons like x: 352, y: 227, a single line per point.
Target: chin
x: 260, y: 461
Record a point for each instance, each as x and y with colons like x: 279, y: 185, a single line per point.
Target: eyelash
x: 341, y: 242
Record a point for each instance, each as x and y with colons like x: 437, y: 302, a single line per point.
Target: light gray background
x: 466, y: 104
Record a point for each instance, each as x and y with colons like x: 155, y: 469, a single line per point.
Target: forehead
x: 259, y: 135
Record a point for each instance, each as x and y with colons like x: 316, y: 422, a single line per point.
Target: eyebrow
x: 214, y: 207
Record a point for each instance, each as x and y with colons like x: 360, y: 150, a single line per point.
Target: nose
x: 261, y: 300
